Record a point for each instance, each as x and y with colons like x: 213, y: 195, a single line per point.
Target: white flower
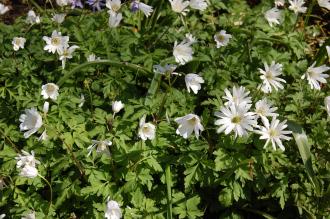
x: 32, y: 18
x: 221, y: 38
x: 193, y: 82
x: 113, y: 5
x: 190, y: 38
x: 279, y: 3
x: 237, y: 97
x: 324, y: 3
x: 92, y: 57
x: 18, y: 42
x: 27, y: 163
x: 26, y: 159
x: 3, y: 9
x: 56, y: 42
x: 31, y: 215
x: 102, y: 147
x: 188, y: 124
x: 82, y: 100
x: 63, y: 2
x: 49, y: 90
x: 270, y: 77
x: 327, y: 104
x: 112, y: 210
x: 30, y: 121
x: 328, y: 51
x: 274, y: 132
x: 264, y: 109
x: 117, y: 106
x: 180, y: 6
x: 314, y: 75
x: 58, y: 18
x: 167, y: 69
x: 146, y: 9
x: 66, y: 53
x: 236, y: 118
x: 198, y: 4
x: 29, y: 172
x: 297, y: 6
x: 2, y: 215
x: 183, y: 52
x: 146, y: 130
x: 46, y: 107
x: 273, y: 16
x: 114, y: 19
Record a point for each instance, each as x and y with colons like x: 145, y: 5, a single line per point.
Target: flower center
x: 261, y: 111
x: 18, y: 41
x: 56, y: 41
x: 236, y: 119
x: 115, y: 7
x: 269, y: 75
x: 273, y: 133
x: 192, y: 121
x: 50, y: 89
x: 220, y: 37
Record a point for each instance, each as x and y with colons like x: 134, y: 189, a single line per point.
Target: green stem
x: 37, y: 6
x: 153, y: 88
x: 103, y: 62
x: 169, y: 192
x: 51, y: 191
x: 310, y: 9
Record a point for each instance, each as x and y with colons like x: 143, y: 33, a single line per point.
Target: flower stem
x: 51, y: 191
x: 310, y: 9
x: 168, y: 180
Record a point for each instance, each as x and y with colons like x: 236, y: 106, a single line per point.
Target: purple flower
x: 96, y: 4
x: 77, y: 3
x: 134, y: 6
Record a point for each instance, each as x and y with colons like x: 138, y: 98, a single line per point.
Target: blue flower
x: 96, y: 4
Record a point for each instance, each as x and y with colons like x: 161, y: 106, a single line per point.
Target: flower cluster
x: 27, y: 164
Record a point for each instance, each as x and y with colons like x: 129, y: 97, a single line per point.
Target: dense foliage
x: 214, y: 175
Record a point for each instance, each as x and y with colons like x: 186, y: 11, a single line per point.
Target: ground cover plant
x: 165, y: 109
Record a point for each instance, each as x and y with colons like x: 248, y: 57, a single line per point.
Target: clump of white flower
x: 315, y: 75
x: 27, y: 164
x: 146, y: 130
x: 167, y: 69
x: 18, y: 42
x: 270, y: 76
x: 32, y: 18
x: 180, y: 6
x: 31, y: 121
x: 297, y: 6
x: 112, y: 210
x: 188, y: 124
x: 273, y: 16
x: 63, y: 2
x: 193, y: 82
x: 222, y: 38
x: 274, y: 133
x: 49, y: 90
